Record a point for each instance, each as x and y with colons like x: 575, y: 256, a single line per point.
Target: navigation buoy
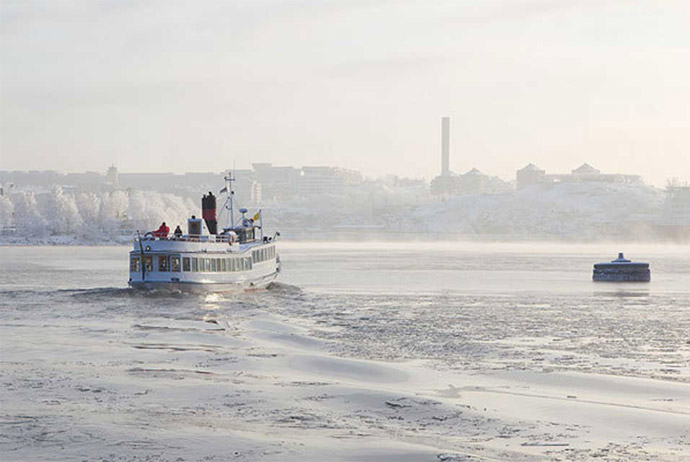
x: 621, y: 270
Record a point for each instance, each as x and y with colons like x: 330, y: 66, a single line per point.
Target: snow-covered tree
x: 114, y: 207
x: 27, y: 217
x: 147, y: 210
x: 6, y: 211
x: 89, y: 205
x: 62, y: 214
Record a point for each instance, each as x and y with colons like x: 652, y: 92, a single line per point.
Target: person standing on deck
x: 162, y: 231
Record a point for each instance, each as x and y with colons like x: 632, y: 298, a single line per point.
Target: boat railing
x: 148, y: 237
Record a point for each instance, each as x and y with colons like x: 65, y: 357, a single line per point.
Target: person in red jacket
x: 162, y: 231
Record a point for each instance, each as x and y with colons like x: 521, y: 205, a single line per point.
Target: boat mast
x: 229, y: 202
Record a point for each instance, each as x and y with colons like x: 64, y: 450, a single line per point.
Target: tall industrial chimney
x: 445, y: 146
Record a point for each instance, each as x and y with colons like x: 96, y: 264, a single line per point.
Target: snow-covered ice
x: 377, y: 352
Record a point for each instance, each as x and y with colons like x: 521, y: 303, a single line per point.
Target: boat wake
x: 106, y: 293
x: 282, y: 288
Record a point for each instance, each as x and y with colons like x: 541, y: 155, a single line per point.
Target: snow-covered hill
x: 565, y: 210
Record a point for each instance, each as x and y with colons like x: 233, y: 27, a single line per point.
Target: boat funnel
x: 208, y: 212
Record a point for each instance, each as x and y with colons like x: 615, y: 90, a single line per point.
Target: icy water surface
x: 361, y: 352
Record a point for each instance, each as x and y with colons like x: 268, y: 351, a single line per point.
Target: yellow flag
x: 257, y: 215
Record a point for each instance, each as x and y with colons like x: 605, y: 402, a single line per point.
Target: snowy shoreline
x: 579, y: 212
x: 74, y: 241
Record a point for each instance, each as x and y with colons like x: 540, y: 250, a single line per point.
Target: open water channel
x: 392, y: 351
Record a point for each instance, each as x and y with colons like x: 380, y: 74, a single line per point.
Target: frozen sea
x: 364, y: 352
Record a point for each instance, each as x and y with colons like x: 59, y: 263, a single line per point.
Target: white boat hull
x: 182, y: 266
x: 205, y: 287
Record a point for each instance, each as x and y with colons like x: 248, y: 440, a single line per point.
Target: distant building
x: 444, y: 184
x: 30, y: 178
x: 531, y: 175
x: 447, y: 181
x: 327, y: 180
x: 474, y: 182
x: 112, y: 176
x: 277, y: 183
x: 247, y: 189
x: 282, y: 183
x: 470, y: 182
x: 86, y: 181
x: 445, y: 146
x: 585, y: 170
x: 150, y: 181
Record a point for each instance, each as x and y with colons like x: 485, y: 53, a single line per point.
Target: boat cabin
x: 242, y: 234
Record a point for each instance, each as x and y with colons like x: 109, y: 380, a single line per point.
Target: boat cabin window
x: 175, y: 264
x: 135, y: 264
x: 148, y: 263
x: 163, y: 263
x: 186, y: 264
x: 245, y: 235
x: 194, y: 227
x: 263, y: 254
x: 215, y: 265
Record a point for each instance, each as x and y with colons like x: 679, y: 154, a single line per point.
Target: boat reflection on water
x: 622, y: 290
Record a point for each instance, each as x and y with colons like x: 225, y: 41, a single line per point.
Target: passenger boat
x: 239, y: 257
x: 621, y: 270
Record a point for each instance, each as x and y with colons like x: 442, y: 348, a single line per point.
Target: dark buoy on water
x: 621, y: 270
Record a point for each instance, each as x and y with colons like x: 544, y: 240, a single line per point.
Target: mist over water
x: 379, y: 351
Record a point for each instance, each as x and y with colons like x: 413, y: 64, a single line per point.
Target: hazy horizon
x: 177, y: 86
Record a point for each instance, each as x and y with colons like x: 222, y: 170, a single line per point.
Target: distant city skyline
x: 264, y: 171
x: 183, y: 86
x: 104, y: 171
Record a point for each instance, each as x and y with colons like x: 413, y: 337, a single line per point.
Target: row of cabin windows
x: 263, y: 254
x: 192, y: 264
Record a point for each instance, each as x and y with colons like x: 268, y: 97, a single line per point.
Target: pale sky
x: 197, y: 85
